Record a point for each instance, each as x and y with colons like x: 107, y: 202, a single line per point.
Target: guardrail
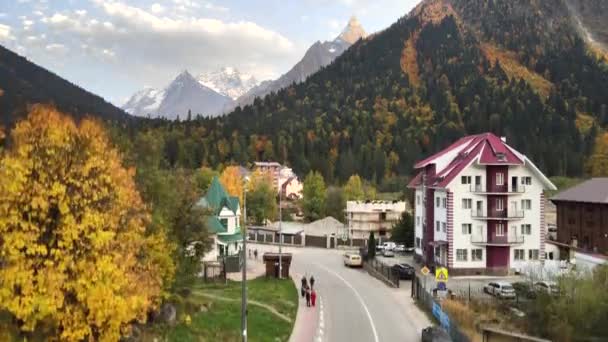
x: 482, y: 189
x: 382, y: 271
x: 497, y: 240
x: 497, y: 215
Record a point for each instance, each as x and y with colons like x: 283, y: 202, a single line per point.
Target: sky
x: 114, y: 48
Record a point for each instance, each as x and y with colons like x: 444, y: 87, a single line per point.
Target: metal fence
x: 382, y: 271
x: 433, y: 305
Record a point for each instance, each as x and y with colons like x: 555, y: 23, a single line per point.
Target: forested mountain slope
x: 23, y: 82
x: 521, y: 69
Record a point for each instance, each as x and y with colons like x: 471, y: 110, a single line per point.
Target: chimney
x: 504, y: 139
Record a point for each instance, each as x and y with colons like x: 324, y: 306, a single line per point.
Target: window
x: 444, y: 227
x: 382, y: 216
x: 466, y: 228
x: 437, y: 202
x: 500, y: 229
x: 533, y: 254
x: 418, y: 200
x: 526, y: 229
x: 417, y: 220
x: 526, y: 180
x: 445, y: 203
x: 526, y: 204
x: 418, y: 242
x: 519, y: 255
x: 436, y: 225
x: 224, y: 222
x: 467, y: 203
x: 500, y: 204
x: 465, y: 179
x: 477, y: 254
x: 461, y: 254
x: 500, y: 178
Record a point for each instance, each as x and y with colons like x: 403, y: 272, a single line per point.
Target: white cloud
x: 2, y: 15
x: 213, y: 7
x: 157, y: 8
x: 5, y: 33
x: 58, y: 49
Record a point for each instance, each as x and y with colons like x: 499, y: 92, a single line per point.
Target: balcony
x: 508, y: 215
x: 481, y: 189
x: 493, y: 240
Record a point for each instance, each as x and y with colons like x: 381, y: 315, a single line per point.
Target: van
x: 352, y: 260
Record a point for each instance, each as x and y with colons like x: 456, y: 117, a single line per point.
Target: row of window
x: 526, y: 229
x: 477, y: 254
x: 463, y: 254
x: 520, y: 254
x: 441, y: 202
x: 526, y: 204
x: 441, y: 225
x: 500, y: 180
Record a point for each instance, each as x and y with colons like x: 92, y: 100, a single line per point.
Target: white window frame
x: 437, y: 224
x: 444, y: 227
x: 533, y: 254
x: 473, y: 254
x: 465, y: 180
x: 524, y: 206
x: 500, y: 178
x: 417, y: 220
x: 500, y: 228
x: 444, y: 202
x: 526, y: 229
x: 467, y: 228
x: 438, y: 202
x: 462, y: 254
x: 500, y: 204
x: 526, y: 180
x: 418, y: 199
x: 467, y: 203
x: 521, y: 253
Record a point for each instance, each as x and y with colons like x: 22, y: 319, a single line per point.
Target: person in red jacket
x: 313, y: 297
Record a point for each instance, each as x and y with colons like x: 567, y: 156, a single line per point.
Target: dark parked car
x: 435, y: 334
x: 405, y: 271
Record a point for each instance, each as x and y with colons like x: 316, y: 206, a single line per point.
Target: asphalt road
x: 356, y: 306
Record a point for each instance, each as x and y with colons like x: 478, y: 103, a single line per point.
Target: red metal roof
x: 486, y: 148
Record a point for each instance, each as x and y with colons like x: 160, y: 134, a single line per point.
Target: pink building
x: 479, y: 207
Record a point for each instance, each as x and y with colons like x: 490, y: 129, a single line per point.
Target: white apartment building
x: 379, y: 217
x: 479, y: 207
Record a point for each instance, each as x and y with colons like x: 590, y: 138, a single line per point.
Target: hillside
x: 521, y: 69
x: 23, y: 82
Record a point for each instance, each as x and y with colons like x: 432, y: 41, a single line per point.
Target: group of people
x: 308, y: 291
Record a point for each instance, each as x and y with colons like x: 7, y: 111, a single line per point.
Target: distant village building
x: 379, y: 217
x: 283, y: 179
x: 271, y: 168
x: 582, y: 224
x: 479, y: 207
x: 224, y: 222
x: 292, y: 188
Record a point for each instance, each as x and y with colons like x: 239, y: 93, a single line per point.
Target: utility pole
x: 244, y: 270
x: 424, y: 235
x: 280, y: 227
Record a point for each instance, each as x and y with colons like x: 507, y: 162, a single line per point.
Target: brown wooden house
x: 582, y: 216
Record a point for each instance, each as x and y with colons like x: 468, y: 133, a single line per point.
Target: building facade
x: 479, y: 207
x: 271, y: 168
x: 223, y: 223
x: 582, y: 221
x: 379, y: 217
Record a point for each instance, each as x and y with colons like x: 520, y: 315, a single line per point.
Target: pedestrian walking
x: 312, y: 282
x: 307, y: 296
x: 250, y: 254
x: 304, y: 284
x: 255, y: 254
x: 313, y: 297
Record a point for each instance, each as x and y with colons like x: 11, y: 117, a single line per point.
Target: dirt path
x: 252, y: 302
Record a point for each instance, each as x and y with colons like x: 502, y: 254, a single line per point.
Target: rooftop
x: 594, y: 190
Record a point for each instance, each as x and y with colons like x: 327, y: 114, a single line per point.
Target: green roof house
x: 224, y: 221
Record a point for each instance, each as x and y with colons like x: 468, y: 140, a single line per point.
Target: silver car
x: 500, y: 289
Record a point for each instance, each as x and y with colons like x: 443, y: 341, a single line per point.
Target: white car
x: 389, y: 245
x: 352, y: 260
x: 549, y: 287
x: 399, y: 249
x: 388, y: 253
x: 500, y: 289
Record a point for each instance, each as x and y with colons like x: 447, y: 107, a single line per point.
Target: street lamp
x: 244, y: 270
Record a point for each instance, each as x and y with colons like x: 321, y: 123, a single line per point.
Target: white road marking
x: 369, y: 316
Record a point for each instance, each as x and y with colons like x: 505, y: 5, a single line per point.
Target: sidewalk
x: 307, y: 318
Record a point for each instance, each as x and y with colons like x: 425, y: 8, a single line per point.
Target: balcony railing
x: 510, y: 190
x: 505, y: 240
x: 482, y: 214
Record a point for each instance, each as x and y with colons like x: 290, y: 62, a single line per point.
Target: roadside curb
x: 307, y: 326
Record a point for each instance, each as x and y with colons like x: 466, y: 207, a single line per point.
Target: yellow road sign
x: 441, y: 274
x: 425, y: 270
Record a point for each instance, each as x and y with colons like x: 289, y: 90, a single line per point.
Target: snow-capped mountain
x: 317, y: 56
x: 183, y: 94
x: 228, y: 81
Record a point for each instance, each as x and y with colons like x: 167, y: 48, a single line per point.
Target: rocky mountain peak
x: 353, y: 31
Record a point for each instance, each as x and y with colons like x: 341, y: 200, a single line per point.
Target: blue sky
x: 115, y: 47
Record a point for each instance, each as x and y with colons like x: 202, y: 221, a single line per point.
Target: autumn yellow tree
x: 353, y: 189
x: 78, y: 258
x: 232, y: 181
x: 597, y: 164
